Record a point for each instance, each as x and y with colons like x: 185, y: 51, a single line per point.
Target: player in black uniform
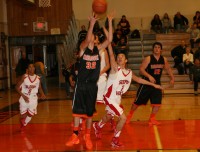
x: 83, y: 104
x: 151, y: 68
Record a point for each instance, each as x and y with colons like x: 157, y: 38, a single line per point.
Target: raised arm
x: 109, y: 34
x: 85, y: 43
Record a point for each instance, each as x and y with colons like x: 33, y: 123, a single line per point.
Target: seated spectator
x: 156, y: 24
x: 194, y: 34
x: 195, y: 72
x: 117, y: 35
x: 188, y: 59
x: 180, y: 22
x: 124, y: 23
x: 166, y: 23
x: 196, y: 19
x: 197, y: 52
x: 177, y: 54
x: 122, y: 43
x: 122, y: 46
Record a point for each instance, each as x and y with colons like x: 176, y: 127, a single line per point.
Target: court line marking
x: 157, y: 137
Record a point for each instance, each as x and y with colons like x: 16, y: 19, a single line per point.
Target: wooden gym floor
x: 50, y: 128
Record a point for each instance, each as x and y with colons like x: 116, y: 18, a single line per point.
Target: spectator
x: 117, y: 35
x: 195, y: 34
x: 40, y: 71
x: 177, y: 54
x: 197, y: 52
x: 195, y: 71
x: 196, y: 19
x: 156, y: 24
x: 82, y: 34
x: 66, y: 74
x: 22, y: 66
x: 74, y: 73
x: 166, y: 23
x: 188, y: 59
x: 124, y: 23
x: 180, y: 22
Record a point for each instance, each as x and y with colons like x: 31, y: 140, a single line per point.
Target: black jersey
x: 89, y: 67
x: 155, y: 68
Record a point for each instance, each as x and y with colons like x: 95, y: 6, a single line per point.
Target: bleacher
x: 140, y: 48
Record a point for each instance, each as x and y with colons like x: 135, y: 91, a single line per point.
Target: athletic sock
x: 87, y: 131
x: 101, y: 124
x: 117, y: 133
x: 152, y: 116
x: 75, y: 130
x: 27, y: 120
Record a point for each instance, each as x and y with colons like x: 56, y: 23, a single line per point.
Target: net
x: 44, y: 3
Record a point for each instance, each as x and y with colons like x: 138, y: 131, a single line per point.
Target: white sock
x: 101, y: 124
x: 117, y: 133
x: 27, y: 120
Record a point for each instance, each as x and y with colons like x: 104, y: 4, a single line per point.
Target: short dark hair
x: 124, y: 52
x: 157, y: 43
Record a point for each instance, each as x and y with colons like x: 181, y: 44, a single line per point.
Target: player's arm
x: 18, y: 88
x: 85, y: 43
x: 143, y: 66
x: 113, y: 63
x: 107, y: 67
x: 142, y: 81
x: 169, y: 71
x: 109, y: 35
x: 42, y: 95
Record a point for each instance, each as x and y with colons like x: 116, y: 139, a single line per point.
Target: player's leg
x: 155, y: 99
x: 74, y: 137
x: 98, y: 125
x: 115, y: 140
x: 152, y: 119
x: 143, y: 95
x: 88, y: 141
x: 131, y: 112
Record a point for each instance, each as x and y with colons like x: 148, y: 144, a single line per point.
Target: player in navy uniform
x: 151, y: 68
x: 83, y: 104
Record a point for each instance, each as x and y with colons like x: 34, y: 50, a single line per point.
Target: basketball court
x: 51, y: 127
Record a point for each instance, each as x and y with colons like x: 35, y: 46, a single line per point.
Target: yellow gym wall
x: 138, y: 12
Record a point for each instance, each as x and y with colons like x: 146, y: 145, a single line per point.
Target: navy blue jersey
x: 155, y: 68
x: 89, y: 68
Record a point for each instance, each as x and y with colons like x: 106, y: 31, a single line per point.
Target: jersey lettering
x: 90, y: 65
x: 157, y: 71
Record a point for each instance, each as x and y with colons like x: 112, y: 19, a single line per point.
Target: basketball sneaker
x: 97, y: 130
x: 115, y: 142
x: 73, y: 140
x: 153, y: 121
x: 88, y: 141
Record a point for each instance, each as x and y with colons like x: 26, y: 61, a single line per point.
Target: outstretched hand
x: 110, y: 16
x: 93, y: 18
x: 158, y: 87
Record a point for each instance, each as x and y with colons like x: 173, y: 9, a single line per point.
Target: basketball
x: 99, y: 6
